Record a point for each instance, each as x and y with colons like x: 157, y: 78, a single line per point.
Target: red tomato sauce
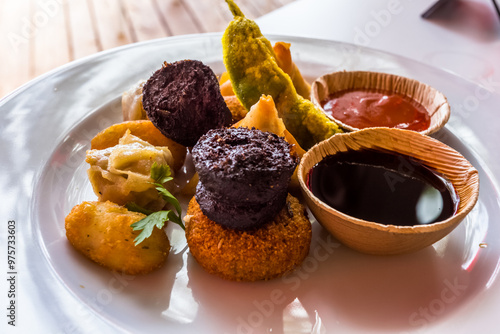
x: 370, y: 108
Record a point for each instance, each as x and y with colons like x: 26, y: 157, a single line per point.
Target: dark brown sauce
x: 384, y: 188
x: 369, y: 108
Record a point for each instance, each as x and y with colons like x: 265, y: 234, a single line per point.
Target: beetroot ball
x: 247, y: 164
x: 236, y: 214
x: 244, y: 176
x: 183, y: 101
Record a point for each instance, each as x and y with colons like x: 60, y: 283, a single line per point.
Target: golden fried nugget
x: 101, y: 231
x: 143, y: 129
x: 268, y: 252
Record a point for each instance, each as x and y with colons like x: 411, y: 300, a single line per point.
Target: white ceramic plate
x: 46, y: 127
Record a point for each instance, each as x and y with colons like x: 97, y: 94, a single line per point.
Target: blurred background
x: 37, y: 36
x: 461, y: 36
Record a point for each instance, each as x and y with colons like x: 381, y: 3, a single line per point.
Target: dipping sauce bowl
x: 374, y: 237
x: 386, y: 100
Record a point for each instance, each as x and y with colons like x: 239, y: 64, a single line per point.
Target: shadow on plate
x: 344, y: 287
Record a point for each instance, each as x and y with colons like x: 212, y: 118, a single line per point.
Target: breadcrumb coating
x: 101, y: 231
x: 262, y: 254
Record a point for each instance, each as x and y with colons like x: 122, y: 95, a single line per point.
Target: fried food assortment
x: 268, y: 252
x: 264, y: 116
x: 251, y: 63
x: 183, y: 101
x: 102, y: 232
x: 241, y: 224
x: 121, y: 173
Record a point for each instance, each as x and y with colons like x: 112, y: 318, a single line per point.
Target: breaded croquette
x: 265, y: 253
x: 101, y: 231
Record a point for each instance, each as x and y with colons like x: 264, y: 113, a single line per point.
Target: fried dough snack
x: 284, y: 60
x: 101, y: 231
x: 121, y: 173
x: 264, y: 116
x: 143, y: 129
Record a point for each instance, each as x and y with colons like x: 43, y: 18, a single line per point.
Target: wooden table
x: 39, y: 35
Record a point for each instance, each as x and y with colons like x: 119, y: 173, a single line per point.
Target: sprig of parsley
x: 160, y: 174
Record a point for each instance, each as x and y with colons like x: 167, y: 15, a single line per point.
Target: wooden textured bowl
x: 374, y: 238
x: 431, y: 99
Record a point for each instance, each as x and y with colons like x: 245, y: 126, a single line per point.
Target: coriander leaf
x: 167, y: 196
x: 174, y: 218
x: 137, y: 208
x: 147, y: 224
x: 161, y: 173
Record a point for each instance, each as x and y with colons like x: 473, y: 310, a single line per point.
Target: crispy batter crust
x: 101, y: 231
x: 143, y: 129
x: 268, y: 252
